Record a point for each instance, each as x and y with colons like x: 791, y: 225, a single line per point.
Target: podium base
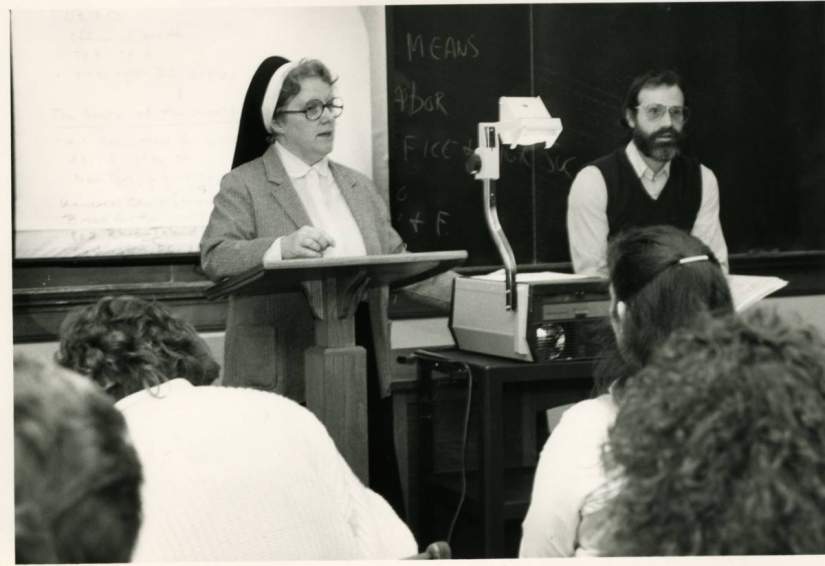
x: 336, y: 392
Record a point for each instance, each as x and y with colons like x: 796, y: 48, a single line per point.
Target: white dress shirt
x: 325, y: 205
x: 587, y: 225
x: 237, y: 474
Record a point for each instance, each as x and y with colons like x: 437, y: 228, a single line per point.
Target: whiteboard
x: 125, y: 120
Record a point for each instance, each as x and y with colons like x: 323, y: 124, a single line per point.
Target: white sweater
x: 565, y: 517
x: 238, y: 474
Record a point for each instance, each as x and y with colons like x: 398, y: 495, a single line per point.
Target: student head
x: 655, y: 111
x: 720, y: 443
x: 661, y: 278
x: 76, y: 475
x: 126, y: 344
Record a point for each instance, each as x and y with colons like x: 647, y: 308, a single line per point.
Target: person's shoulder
x: 250, y: 168
x: 247, y: 178
x: 353, y: 174
x: 263, y: 406
x: 592, y: 172
x: 596, y: 413
x: 589, y: 174
x: 589, y: 188
x: 580, y: 432
x: 706, y: 171
x: 250, y: 397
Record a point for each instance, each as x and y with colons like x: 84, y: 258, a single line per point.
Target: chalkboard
x: 447, y: 67
x: 125, y: 120
x: 754, y: 78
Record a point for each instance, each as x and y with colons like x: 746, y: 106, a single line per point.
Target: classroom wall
x: 147, y: 115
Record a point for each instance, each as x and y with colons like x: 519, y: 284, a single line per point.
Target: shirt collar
x: 296, y: 168
x: 158, y: 391
x: 639, y: 165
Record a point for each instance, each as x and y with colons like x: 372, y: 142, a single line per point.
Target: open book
x: 746, y: 289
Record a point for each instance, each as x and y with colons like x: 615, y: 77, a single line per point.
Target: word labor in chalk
x: 410, y: 102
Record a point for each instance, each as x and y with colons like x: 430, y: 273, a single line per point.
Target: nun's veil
x: 252, y: 136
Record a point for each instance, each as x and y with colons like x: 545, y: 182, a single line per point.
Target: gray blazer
x: 266, y: 335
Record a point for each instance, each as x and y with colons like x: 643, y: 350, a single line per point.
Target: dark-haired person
x: 661, y: 279
x: 128, y: 345
x: 76, y: 474
x: 647, y: 182
x: 232, y: 473
x: 719, y: 444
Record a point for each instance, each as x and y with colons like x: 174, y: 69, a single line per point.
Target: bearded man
x: 647, y: 182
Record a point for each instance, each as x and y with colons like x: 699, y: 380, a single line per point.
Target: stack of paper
x: 536, y: 277
x: 748, y: 289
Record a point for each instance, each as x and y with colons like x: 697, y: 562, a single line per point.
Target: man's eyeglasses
x: 315, y: 108
x: 655, y: 112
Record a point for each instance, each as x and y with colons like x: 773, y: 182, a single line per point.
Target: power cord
x: 465, y: 367
x: 464, y: 436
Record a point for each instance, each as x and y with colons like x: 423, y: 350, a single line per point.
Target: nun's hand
x: 305, y: 242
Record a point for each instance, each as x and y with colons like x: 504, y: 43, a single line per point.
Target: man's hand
x: 305, y: 242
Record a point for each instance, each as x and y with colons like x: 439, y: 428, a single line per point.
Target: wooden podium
x: 336, y: 368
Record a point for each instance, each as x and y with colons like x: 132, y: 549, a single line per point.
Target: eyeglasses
x: 655, y: 112
x: 315, y: 108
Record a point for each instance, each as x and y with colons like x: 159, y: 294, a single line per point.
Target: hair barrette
x: 693, y: 259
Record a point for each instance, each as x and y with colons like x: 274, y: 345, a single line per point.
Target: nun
x: 284, y: 199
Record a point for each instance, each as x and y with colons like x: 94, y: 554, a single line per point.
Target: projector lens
x: 550, y: 340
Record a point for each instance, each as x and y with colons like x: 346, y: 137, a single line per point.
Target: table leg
x: 492, y: 470
x: 423, y: 508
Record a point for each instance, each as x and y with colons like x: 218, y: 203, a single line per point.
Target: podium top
x: 396, y: 270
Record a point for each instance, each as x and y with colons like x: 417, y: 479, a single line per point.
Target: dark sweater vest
x: 629, y: 204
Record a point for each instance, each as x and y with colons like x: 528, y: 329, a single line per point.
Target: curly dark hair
x: 126, y: 344
x: 719, y: 443
x: 77, y: 476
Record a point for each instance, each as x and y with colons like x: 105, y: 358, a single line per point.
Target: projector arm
x: 484, y: 164
x: 504, y: 249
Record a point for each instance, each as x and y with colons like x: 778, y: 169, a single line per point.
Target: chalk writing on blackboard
x: 558, y: 164
x: 422, y: 222
x: 439, y: 48
x: 411, y: 101
x: 442, y: 148
x: 546, y: 161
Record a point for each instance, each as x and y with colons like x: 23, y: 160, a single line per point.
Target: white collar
x: 639, y: 165
x: 160, y: 391
x: 296, y: 167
